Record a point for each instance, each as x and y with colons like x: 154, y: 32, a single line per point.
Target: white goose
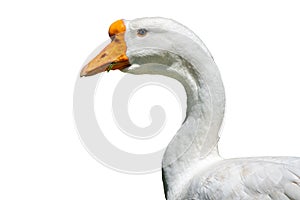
x: 192, y: 168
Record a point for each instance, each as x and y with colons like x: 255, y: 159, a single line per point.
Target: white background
x: 43, y: 44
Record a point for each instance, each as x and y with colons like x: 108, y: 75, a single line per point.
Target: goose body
x: 192, y: 167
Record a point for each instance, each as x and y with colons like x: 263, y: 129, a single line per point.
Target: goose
x: 192, y: 168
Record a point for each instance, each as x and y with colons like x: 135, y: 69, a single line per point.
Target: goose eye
x: 141, y: 32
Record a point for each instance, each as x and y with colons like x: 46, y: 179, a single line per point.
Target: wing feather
x: 272, y: 178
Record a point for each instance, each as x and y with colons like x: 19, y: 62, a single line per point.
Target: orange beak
x: 113, y: 56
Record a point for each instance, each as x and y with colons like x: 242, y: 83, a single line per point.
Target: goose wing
x: 276, y: 178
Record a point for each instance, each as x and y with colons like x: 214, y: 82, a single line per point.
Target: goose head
x: 144, y: 41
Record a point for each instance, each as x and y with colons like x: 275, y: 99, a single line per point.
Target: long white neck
x: 195, y: 144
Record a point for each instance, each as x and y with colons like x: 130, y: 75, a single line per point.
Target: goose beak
x: 113, y: 56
